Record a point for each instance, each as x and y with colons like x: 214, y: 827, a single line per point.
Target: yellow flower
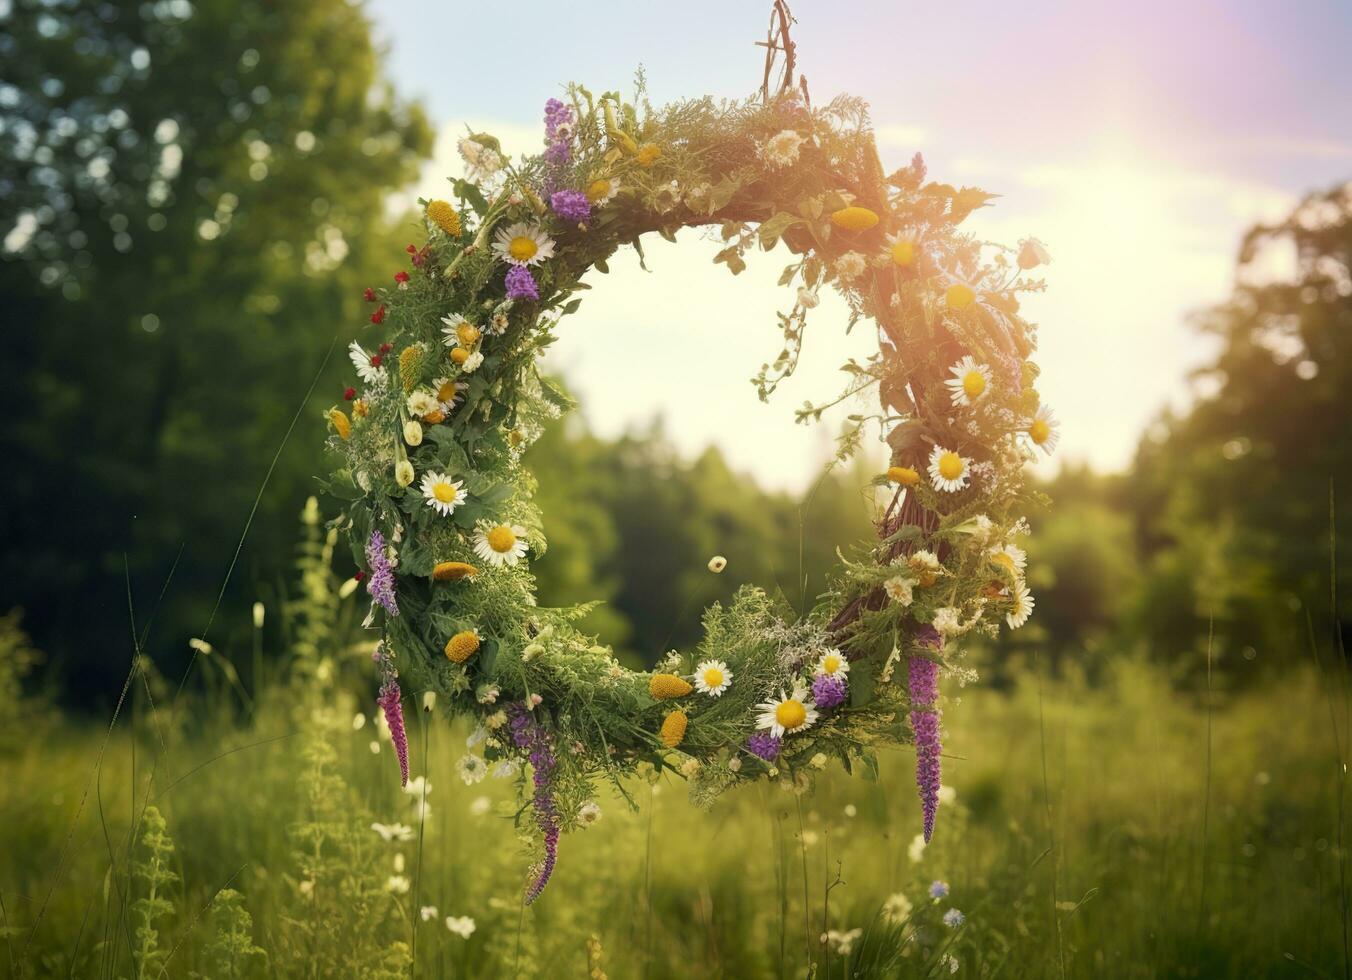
x: 459, y: 356
x: 445, y: 217
x: 340, y: 424
x: 673, y: 729
x: 959, y: 296
x: 434, y: 416
x: 648, y: 154
x: 468, y: 334
x: 462, y: 646
x: 451, y: 571
x: 664, y: 687
x: 903, y: 475
x: 854, y: 218
x: 360, y: 409
x: 903, y: 251
x: 410, y: 362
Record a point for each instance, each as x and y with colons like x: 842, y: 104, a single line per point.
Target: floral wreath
x: 437, y: 504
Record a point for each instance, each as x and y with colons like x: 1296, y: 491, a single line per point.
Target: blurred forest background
x: 188, y: 228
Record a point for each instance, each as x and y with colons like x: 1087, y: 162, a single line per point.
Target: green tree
x: 1232, y: 500
x: 195, y: 195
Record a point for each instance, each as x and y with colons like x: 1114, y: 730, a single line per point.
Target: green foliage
x: 153, y: 876
x: 231, y: 949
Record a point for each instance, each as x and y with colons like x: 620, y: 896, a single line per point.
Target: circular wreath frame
x: 428, y: 451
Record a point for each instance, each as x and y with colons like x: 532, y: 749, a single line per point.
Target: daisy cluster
x: 446, y: 395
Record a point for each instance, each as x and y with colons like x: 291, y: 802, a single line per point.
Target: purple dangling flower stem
x: 923, y: 679
x: 391, y: 703
x: 531, y: 736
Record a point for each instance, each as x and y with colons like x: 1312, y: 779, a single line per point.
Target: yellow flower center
x: 501, y: 539
x: 974, y: 383
x: 444, y: 492
x: 959, y: 296
x: 791, y: 714
x: 523, y: 248
x: 446, y: 392
x: 459, y: 356
x: 1039, y: 431
x: 713, y: 677
x: 830, y: 664
x: 1003, y: 559
x: 598, y: 189
x: 467, y: 333
x: 950, y: 465
x: 903, y: 252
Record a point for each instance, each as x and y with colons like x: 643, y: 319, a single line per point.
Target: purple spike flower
x: 521, y: 284
x: 828, y: 691
x: 571, y: 205
x: 763, y: 745
x: 923, y: 676
x: 530, y: 735
x: 381, y: 581
x: 391, y: 703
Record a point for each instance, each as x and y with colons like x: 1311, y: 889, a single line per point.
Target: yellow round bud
x: 664, y: 687
x: 854, y: 218
x: 451, y: 571
x: 903, y: 475
x: 959, y: 296
x: 445, y: 217
x: 673, y: 729
x: 459, y: 356
x: 462, y: 646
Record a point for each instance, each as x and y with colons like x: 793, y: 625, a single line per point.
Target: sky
x: 1138, y: 140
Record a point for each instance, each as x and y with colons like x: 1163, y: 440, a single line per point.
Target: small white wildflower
x: 397, y: 885
x: 850, y: 266
x: 897, y: 909
x: 393, y: 831
x: 916, y: 852
x: 472, y: 769
x: 358, y: 722
x: 480, y: 805
x: 589, y: 813
x: 462, y: 926
x: 427, y: 913
x: 506, y: 769
x: 782, y: 149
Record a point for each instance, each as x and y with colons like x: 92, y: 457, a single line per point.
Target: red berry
x: 379, y: 315
x: 369, y: 295
x: 401, y: 276
x: 375, y: 360
x: 386, y: 348
x: 349, y: 394
x: 359, y: 576
x: 410, y: 249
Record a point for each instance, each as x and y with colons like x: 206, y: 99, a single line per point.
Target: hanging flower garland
x: 438, y: 507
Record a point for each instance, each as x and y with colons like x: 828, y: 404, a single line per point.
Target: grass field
x: 1088, y: 836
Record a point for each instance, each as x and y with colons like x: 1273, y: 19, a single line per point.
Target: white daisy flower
x: 461, y: 925
x: 498, y: 325
x: 850, y: 266
x: 500, y: 544
x: 602, y: 190
x: 443, y: 493
x: 472, y: 769
x: 370, y: 373
x: 589, y: 813
x: 969, y: 381
x: 832, y: 664
x: 472, y: 363
x: 790, y: 713
x: 1010, y: 557
x: 451, y: 331
x: 1022, y: 606
x: 947, y: 470
x: 1044, y: 429
x: 393, y: 831
x: 781, y: 149
x: 712, y: 677
x: 422, y: 402
x: 522, y: 244
x: 899, y: 589
x: 449, y: 392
